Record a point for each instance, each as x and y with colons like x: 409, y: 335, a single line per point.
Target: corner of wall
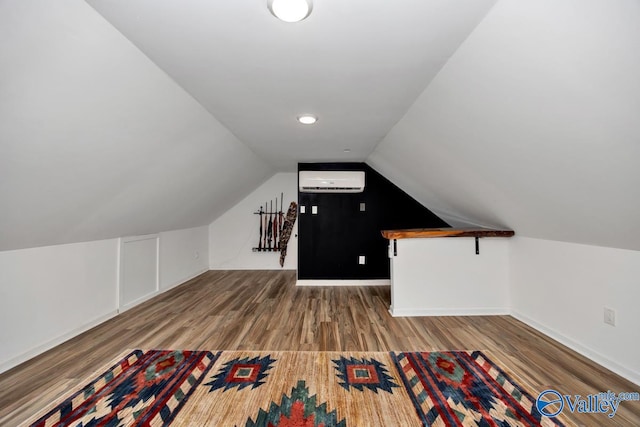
x: 233, y: 235
x: 561, y: 288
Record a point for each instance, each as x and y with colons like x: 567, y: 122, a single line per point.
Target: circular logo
x: 546, y: 402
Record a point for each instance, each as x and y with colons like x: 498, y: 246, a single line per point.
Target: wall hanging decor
x: 270, y: 229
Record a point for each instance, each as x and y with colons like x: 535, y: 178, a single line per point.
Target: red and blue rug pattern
x: 297, y: 410
x: 144, y: 388
x: 364, y: 373
x: 242, y: 373
x: 458, y: 388
x: 297, y: 389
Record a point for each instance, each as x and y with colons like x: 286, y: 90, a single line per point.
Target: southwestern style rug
x: 301, y: 389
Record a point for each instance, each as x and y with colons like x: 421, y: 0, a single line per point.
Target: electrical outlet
x: 314, y: 210
x: 303, y: 209
x: 196, y: 255
x: 361, y: 260
x: 610, y: 316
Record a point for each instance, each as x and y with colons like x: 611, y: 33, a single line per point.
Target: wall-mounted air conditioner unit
x: 331, y: 181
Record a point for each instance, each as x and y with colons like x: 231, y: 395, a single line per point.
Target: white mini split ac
x: 331, y: 181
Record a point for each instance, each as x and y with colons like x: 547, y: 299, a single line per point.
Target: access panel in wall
x: 138, y: 270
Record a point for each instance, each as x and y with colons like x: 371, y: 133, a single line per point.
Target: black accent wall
x: 330, y: 242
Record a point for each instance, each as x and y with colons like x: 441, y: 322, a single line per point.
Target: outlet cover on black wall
x: 341, y: 231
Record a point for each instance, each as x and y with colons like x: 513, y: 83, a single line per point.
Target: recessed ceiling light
x: 290, y: 10
x: 307, y: 119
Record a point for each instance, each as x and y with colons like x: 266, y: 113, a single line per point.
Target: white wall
x: 532, y: 125
x: 138, y: 270
x: 50, y: 294
x: 444, y: 276
x: 232, y: 236
x: 561, y: 289
x: 96, y: 141
x: 183, y: 255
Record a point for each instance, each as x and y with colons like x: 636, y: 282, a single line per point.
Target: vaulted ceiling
x: 357, y: 65
x: 533, y: 124
x: 127, y: 117
x: 96, y: 141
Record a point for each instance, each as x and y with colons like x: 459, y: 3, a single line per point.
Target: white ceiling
x: 97, y: 142
x: 533, y: 124
x: 523, y: 114
x: 357, y: 64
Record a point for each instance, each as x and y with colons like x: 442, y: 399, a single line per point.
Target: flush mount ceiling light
x: 307, y: 119
x: 290, y: 10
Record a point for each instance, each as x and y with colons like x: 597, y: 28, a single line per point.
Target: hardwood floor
x: 257, y: 310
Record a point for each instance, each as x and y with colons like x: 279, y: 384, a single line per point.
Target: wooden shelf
x: 444, y: 232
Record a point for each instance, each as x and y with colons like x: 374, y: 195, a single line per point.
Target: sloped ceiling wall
x: 96, y: 141
x: 533, y: 124
x: 356, y: 65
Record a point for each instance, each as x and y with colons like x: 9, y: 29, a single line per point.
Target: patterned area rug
x: 320, y: 389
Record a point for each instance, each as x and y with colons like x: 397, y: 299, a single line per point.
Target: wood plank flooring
x: 258, y: 310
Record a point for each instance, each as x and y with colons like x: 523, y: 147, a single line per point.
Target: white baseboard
x: 184, y: 279
x: 629, y: 374
x: 420, y: 312
x: 329, y: 282
x: 15, y: 361
x: 130, y: 305
x: 233, y: 268
x: 160, y: 291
